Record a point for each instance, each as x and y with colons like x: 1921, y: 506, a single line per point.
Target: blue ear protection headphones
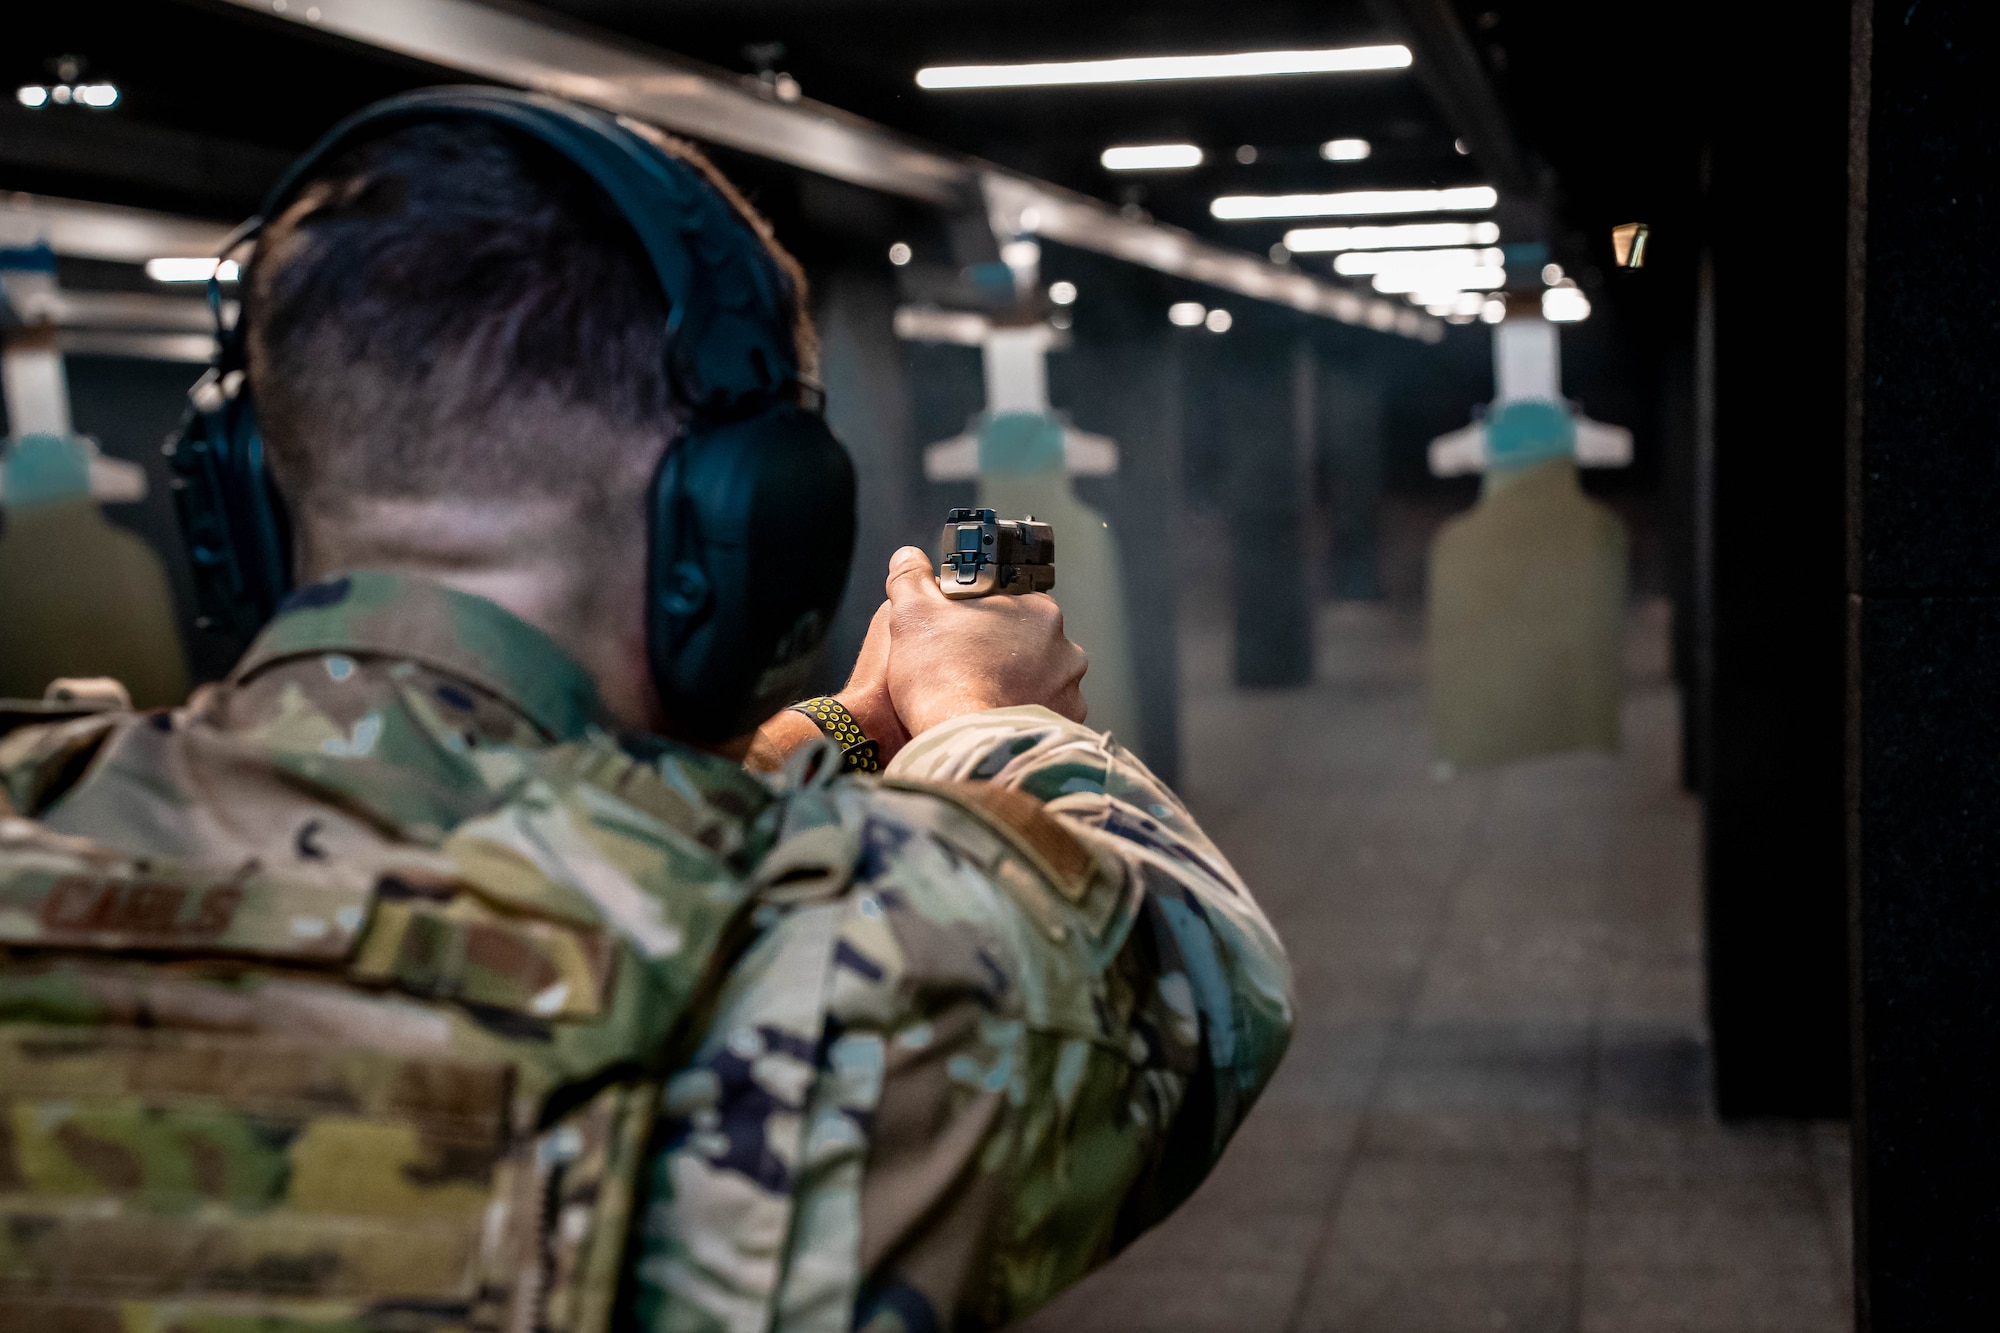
x: 751, y: 512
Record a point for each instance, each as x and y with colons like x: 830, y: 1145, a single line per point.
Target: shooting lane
x: 1249, y: 425
x: 899, y: 240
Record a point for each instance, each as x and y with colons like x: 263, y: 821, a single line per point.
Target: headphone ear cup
x: 233, y: 524
x: 752, y: 532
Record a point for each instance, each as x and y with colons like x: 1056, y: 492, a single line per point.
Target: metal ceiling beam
x: 104, y: 231
x: 543, y: 53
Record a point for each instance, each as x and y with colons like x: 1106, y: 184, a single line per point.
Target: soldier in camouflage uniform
x: 393, y: 985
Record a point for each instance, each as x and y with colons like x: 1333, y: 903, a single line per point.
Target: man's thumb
x: 911, y: 576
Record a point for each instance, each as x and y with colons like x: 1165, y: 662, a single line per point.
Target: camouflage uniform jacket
x: 381, y: 989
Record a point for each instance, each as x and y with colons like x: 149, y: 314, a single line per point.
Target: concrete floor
x: 1495, y: 1112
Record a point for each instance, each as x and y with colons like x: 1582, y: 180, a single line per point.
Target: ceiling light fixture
x: 1153, y: 69
x: 1186, y: 314
x: 1360, y: 263
x: 1349, y: 203
x: 1345, y: 150
x: 1062, y: 293
x: 191, y: 270
x: 1219, y: 321
x: 901, y: 254
x: 1565, y: 305
x: 1151, y: 157
x: 1320, y: 240
x: 98, y: 96
x: 1471, y: 278
x: 1459, y: 307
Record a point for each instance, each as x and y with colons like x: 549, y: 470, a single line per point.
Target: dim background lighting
x: 1218, y: 321
x: 899, y: 254
x: 1344, y: 150
x: 1187, y: 314
x: 1565, y: 305
x: 1153, y: 69
x: 1021, y: 255
x: 1463, y: 198
x: 98, y: 96
x: 1319, y: 240
x: 1360, y: 263
x: 1062, y: 293
x: 1151, y: 157
x: 190, y: 270
x: 1458, y: 307
x: 1480, y: 277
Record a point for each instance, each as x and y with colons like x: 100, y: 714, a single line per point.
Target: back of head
x: 451, y: 319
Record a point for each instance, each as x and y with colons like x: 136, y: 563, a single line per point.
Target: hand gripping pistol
x: 985, y: 554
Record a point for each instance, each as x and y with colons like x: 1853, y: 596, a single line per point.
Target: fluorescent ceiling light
x: 1460, y: 199
x: 1319, y: 240
x: 1187, y: 314
x: 1448, y: 304
x: 1359, y: 263
x: 1565, y: 305
x: 98, y: 95
x: 1483, y: 277
x: 926, y: 324
x: 1344, y: 150
x: 1151, y: 157
x: 1153, y: 69
x: 190, y: 270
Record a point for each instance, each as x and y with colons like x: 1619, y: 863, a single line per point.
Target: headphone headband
x: 725, y: 302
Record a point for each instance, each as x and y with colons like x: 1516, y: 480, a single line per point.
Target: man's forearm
x: 788, y: 731
x: 1110, y: 800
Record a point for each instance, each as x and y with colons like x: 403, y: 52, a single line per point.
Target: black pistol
x: 985, y: 554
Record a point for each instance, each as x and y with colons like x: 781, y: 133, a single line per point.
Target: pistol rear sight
x: 984, y: 554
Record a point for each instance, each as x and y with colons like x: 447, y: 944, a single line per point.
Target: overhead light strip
x: 1407, y: 235
x: 1156, y: 69
x: 1361, y: 263
x: 517, y: 47
x: 1354, y: 203
x: 1151, y: 157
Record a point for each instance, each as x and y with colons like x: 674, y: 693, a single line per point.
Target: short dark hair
x: 444, y: 302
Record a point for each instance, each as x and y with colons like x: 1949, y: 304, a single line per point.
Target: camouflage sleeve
x: 37, y: 763
x: 1002, y: 1011
x: 1236, y: 970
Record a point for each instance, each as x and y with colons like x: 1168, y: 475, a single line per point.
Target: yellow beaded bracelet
x: 857, y: 752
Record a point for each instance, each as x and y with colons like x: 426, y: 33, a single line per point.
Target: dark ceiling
x: 863, y: 55
x: 251, y: 89
x: 1608, y: 104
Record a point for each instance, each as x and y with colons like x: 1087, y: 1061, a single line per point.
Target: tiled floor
x: 1494, y: 1114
